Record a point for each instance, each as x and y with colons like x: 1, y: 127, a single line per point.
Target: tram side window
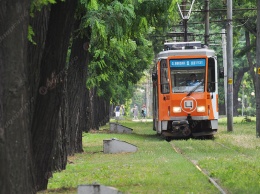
x: 165, y: 88
x: 211, y: 76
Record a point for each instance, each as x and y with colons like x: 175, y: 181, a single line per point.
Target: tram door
x: 213, y: 85
x: 164, y: 95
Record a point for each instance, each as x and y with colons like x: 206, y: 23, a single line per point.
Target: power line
x: 215, y: 10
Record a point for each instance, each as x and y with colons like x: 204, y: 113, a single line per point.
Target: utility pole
x: 147, y: 95
x: 257, y: 89
x: 230, y: 67
x: 206, y: 22
x: 224, y: 51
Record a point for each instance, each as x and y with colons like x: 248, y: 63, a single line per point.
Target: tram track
x: 203, y: 171
x: 202, y: 145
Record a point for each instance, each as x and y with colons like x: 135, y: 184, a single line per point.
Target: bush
x: 250, y: 111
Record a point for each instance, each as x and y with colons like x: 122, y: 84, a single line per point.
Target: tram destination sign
x: 187, y: 62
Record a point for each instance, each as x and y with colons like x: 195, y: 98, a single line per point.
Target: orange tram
x: 185, y: 91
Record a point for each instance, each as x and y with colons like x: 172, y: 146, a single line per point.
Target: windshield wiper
x: 195, y: 88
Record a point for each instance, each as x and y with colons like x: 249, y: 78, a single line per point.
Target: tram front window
x: 186, y: 77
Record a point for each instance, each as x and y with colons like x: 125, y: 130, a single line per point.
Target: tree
x: 46, y: 123
x: 76, y: 90
x: 16, y: 164
x: 258, y: 73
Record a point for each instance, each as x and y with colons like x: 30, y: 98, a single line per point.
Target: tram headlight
x: 201, y: 109
x: 176, y: 109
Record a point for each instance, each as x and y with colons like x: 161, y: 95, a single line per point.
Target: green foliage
x: 123, y: 65
x: 38, y: 4
x: 118, y: 59
x: 161, y: 16
x: 116, y: 18
x: 30, y: 35
x: 92, y: 4
x: 143, y: 24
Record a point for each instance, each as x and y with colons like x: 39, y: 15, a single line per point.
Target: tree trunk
x: 93, y: 109
x: 249, y: 58
x: 88, y: 110
x: 237, y: 85
x: 76, y: 86
x: 39, y: 24
x: 45, y: 124
x: 16, y: 165
x: 98, y: 110
x: 103, y: 111
x: 241, y: 73
x: 257, y: 78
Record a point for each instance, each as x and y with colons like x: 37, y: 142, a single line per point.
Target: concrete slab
x: 114, y: 146
x: 97, y: 189
x: 118, y: 128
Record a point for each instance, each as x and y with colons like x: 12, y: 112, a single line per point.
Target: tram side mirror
x: 154, y: 77
x: 221, y: 72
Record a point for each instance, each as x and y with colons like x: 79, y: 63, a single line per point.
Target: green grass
x: 231, y: 158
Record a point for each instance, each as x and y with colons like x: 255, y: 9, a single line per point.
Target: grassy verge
x: 231, y: 158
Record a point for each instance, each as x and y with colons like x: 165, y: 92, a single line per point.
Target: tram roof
x: 187, y: 52
x: 177, y: 45
x: 185, y: 49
